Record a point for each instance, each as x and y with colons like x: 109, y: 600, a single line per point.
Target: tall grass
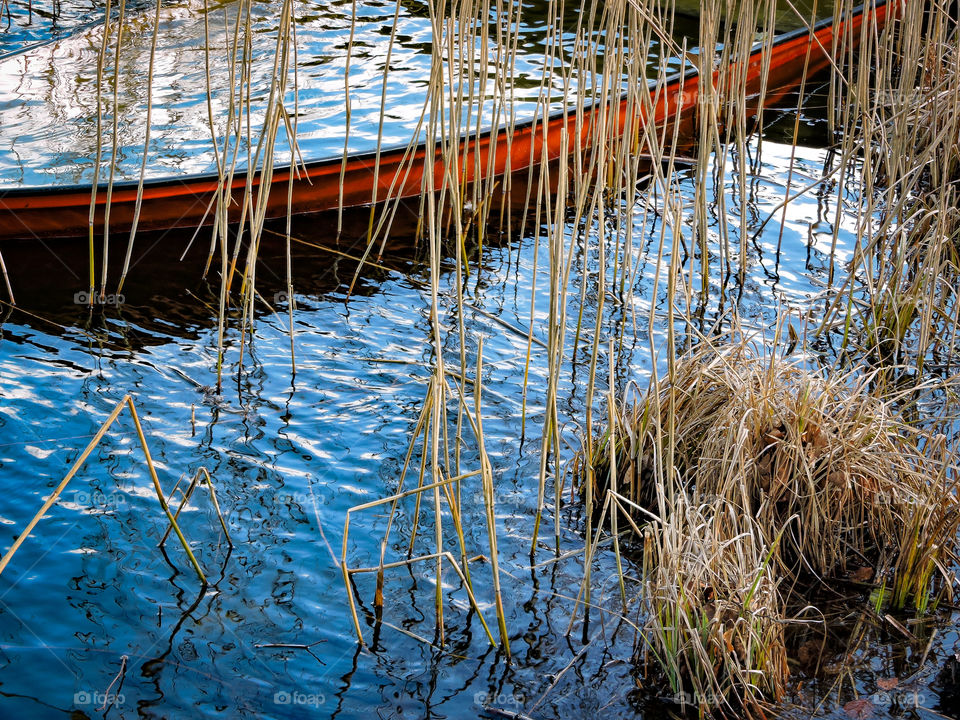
x: 838, y: 466
x: 896, y: 304
x: 754, y: 477
x: 757, y: 473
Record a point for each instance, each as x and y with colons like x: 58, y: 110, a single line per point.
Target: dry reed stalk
x: 114, y: 159
x: 204, y: 474
x: 6, y: 280
x: 125, y: 402
x: 94, y: 186
x: 146, y: 146
x: 393, y: 500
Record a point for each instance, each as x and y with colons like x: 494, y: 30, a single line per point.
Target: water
x: 290, y: 456
x: 26, y: 25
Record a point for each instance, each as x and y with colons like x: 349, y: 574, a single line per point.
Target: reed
x: 788, y: 446
x: 821, y: 475
x: 125, y: 403
x: 835, y: 466
x: 897, y: 305
x: 715, y: 611
x: 750, y: 476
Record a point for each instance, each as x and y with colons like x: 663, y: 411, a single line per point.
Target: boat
x: 398, y: 172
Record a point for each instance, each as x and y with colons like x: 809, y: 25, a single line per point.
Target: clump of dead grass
x: 763, y: 474
x: 715, y: 608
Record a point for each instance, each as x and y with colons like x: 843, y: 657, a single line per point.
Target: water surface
x: 90, y: 600
x: 289, y: 457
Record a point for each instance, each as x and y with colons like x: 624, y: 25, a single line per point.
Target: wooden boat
x: 63, y: 211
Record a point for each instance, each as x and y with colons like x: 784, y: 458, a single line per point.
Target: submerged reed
x: 162, y: 498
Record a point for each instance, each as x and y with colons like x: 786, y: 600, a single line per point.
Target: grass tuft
x: 715, y: 609
x: 764, y: 473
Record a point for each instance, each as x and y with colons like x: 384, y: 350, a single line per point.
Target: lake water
x: 90, y: 598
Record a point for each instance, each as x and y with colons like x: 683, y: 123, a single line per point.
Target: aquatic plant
x: 896, y: 305
x: 715, y: 610
x: 163, y: 498
x: 800, y: 474
x: 846, y: 469
x: 777, y: 467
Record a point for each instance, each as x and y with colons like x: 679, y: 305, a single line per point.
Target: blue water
x: 91, y: 609
x: 289, y: 457
x: 26, y: 25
